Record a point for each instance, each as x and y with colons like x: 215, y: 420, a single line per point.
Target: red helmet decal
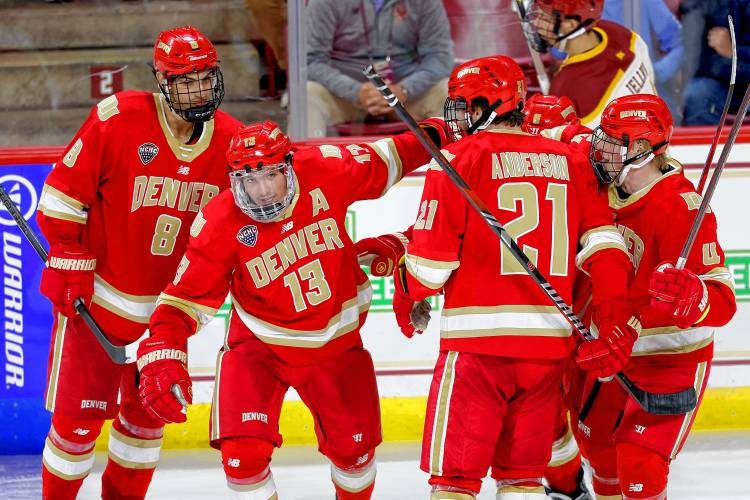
x: 639, y: 116
x: 183, y: 50
x: 257, y: 145
x: 548, y: 111
x: 493, y: 78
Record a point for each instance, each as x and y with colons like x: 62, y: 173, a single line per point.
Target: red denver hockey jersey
x: 619, y: 65
x: 128, y: 190
x: 544, y: 193
x: 295, y: 282
x: 655, y: 223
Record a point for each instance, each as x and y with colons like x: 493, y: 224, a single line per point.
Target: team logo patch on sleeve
x: 147, y: 152
x: 248, y: 235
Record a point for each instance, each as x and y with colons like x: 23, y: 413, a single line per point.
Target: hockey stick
x: 120, y: 355
x: 714, y: 180
x: 541, y: 72
x: 723, y: 119
x: 660, y: 404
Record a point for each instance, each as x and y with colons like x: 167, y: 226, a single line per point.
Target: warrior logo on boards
x: 248, y: 235
x: 147, y: 152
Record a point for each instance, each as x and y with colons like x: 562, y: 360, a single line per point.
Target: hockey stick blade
x: 735, y: 130
x: 723, y: 119
x: 676, y: 403
x: 118, y: 354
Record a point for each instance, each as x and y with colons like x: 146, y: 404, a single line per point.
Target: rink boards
x: 403, y: 366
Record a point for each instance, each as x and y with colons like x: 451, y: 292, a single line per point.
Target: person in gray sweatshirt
x: 408, y: 42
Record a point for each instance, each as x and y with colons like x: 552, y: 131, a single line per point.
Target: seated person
x: 408, y: 42
x: 707, y: 90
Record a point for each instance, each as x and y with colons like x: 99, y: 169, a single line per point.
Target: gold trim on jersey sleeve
x: 388, y: 153
x: 58, y: 205
x: 597, y: 239
x: 200, y: 313
x: 431, y: 273
x: 719, y: 275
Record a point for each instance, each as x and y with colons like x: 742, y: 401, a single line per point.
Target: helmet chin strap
x: 630, y: 163
x: 485, y: 120
x: 562, y: 41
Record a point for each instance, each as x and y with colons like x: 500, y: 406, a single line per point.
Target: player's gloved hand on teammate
x: 412, y: 316
x: 618, y: 331
x: 162, y: 363
x: 69, y: 275
x: 679, y: 292
x: 438, y: 131
x: 381, y: 253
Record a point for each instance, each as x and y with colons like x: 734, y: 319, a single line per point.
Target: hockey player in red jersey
x: 116, y: 210
x: 604, y: 59
x: 555, y: 117
x: 277, y: 242
x: 495, y: 389
x: 543, y: 112
x: 655, y: 205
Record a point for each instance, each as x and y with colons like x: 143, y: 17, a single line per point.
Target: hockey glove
x: 381, y: 253
x: 605, y: 356
x: 162, y: 363
x: 679, y: 292
x: 412, y: 317
x: 69, y: 275
x: 437, y: 130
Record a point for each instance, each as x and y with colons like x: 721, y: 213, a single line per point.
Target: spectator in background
x: 707, y: 90
x: 408, y: 42
x: 270, y: 19
x: 662, y: 33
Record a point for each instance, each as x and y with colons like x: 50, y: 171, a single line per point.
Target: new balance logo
x: 286, y: 227
x: 233, y: 462
x: 635, y: 487
x: 81, y: 432
x: 362, y: 459
x: 183, y: 170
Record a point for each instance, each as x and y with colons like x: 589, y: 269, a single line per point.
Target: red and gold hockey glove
x: 164, y: 379
x: 679, y: 292
x: 412, y: 317
x: 618, y: 331
x: 69, y: 275
x: 381, y: 253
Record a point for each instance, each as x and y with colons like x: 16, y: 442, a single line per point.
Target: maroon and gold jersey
x: 128, y: 190
x: 295, y: 282
x: 619, y: 65
x: 655, y: 223
x: 544, y: 194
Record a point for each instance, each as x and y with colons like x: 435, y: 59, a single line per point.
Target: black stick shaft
x: 735, y: 130
x: 723, y: 119
x: 116, y: 353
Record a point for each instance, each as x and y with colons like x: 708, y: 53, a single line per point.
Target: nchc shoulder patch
x: 248, y: 235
